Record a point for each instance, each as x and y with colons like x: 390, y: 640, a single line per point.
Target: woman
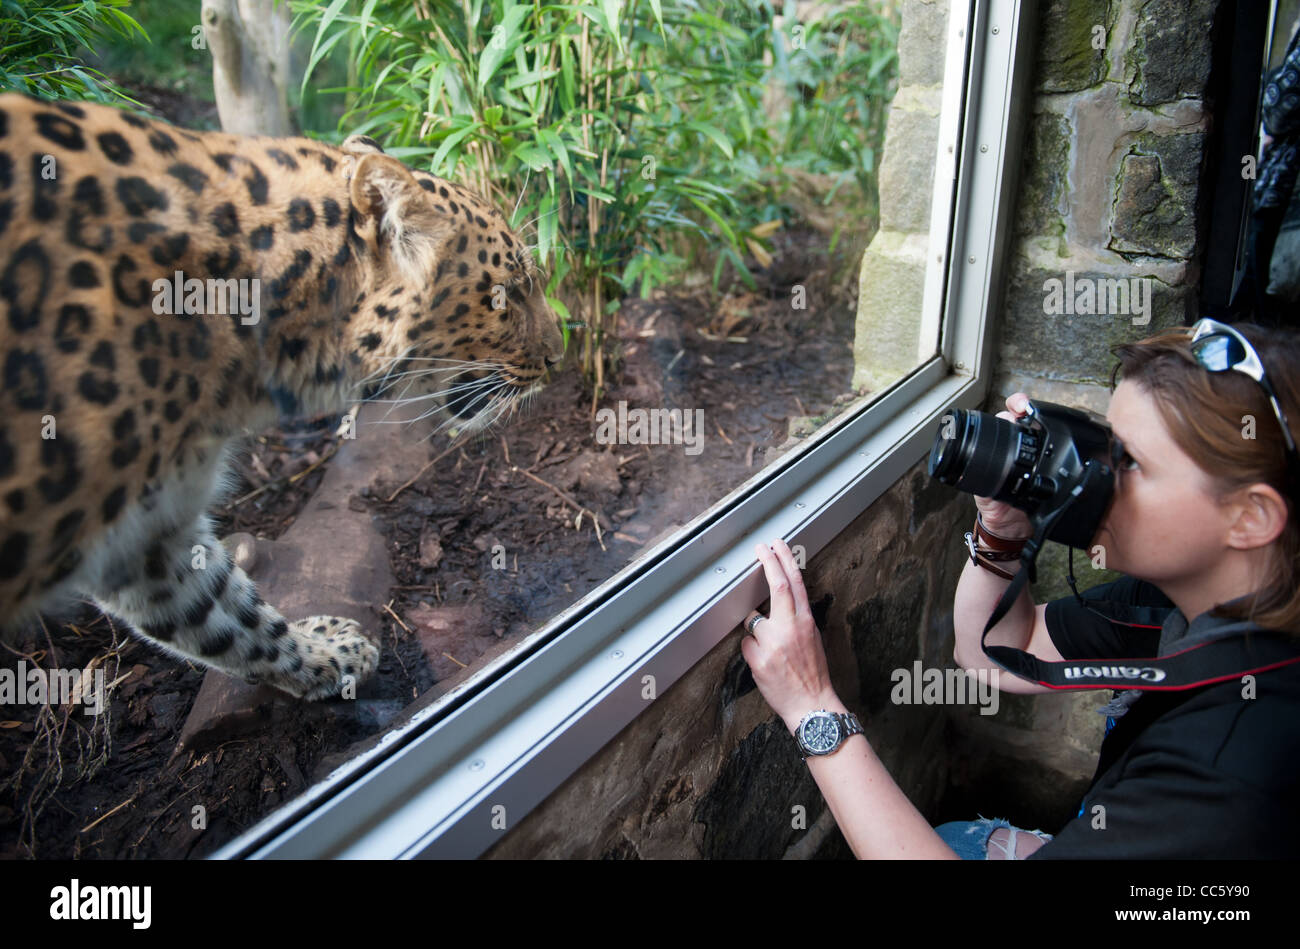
x: 1203, y: 524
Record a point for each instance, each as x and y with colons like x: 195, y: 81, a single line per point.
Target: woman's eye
x: 1127, y: 462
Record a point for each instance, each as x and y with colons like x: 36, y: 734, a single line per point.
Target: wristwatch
x: 822, y: 732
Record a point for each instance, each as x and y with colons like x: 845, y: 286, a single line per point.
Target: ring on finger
x: 753, y: 621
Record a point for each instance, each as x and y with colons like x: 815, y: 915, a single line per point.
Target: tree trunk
x: 249, y: 41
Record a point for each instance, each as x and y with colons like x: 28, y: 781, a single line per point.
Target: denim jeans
x: 970, y: 838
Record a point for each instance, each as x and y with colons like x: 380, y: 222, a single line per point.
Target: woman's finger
x: 794, y: 576
x: 777, y: 583
x: 751, y: 625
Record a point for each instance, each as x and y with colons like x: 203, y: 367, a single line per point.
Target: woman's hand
x: 998, y: 516
x: 784, y: 651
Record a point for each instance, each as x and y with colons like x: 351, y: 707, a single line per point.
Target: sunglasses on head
x: 1220, y: 348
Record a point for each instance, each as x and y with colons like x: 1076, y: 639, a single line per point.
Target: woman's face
x: 1165, y: 522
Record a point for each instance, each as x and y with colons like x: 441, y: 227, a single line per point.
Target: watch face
x: 821, y: 734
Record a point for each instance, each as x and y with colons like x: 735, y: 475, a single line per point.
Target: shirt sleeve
x: 1079, y: 633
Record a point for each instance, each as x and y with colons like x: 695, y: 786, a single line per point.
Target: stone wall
x: 1112, y: 190
x: 709, y: 771
x: 891, y: 284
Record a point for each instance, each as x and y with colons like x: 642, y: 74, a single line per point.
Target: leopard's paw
x: 335, y: 657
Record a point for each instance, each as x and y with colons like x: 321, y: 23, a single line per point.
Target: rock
x: 1154, y: 210
x: 225, y: 708
x: 1044, y: 194
x: 764, y: 767
x: 638, y: 528
x: 1066, y: 58
x: 1076, y: 348
x: 332, y: 561
x: 1169, y: 55
x: 430, y: 549
x: 593, y: 474
x: 242, y: 548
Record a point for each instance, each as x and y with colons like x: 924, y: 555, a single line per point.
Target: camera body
x: 1055, y: 463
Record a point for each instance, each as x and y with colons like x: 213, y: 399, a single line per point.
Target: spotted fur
x: 374, y: 279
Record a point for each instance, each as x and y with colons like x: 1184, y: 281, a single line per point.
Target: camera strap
x: 1251, y: 651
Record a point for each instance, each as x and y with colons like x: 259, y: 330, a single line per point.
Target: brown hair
x: 1204, y: 413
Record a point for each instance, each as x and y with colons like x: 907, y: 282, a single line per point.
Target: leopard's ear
x: 362, y: 145
x: 383, y: 189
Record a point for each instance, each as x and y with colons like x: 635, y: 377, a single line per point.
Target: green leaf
x: 448, y: 143
x: 611, y: 9
x: 560, y: 309
x: 435, y: 86
x: 505, y: 37
x: 558, y: 149
x: 532, y: 78
x: 715, y: 217
x: 713, y: 134
x: 597, y: 193
x: 656, y: 7
x: 536, y: 158
x: 546, y: 226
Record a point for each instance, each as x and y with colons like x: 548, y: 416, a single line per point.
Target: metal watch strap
x: 849, y: 726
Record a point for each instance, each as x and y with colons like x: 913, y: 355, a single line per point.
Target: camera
x: 1055, y: 463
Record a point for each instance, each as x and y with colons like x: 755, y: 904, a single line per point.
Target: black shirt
x: 1197, y: 773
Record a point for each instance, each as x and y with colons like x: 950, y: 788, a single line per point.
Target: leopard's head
x: 453, y: 308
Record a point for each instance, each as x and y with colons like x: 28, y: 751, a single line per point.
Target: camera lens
x: 1054, y: 464
x: 975, y: 452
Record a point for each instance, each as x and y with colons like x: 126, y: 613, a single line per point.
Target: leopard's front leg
x: 186, y: 595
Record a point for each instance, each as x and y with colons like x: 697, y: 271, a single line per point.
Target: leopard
x: 168, y: 293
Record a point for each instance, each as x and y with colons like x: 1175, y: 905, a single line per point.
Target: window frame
x: 517, y: 729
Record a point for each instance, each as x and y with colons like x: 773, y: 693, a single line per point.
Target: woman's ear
x: 1258, y: 516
